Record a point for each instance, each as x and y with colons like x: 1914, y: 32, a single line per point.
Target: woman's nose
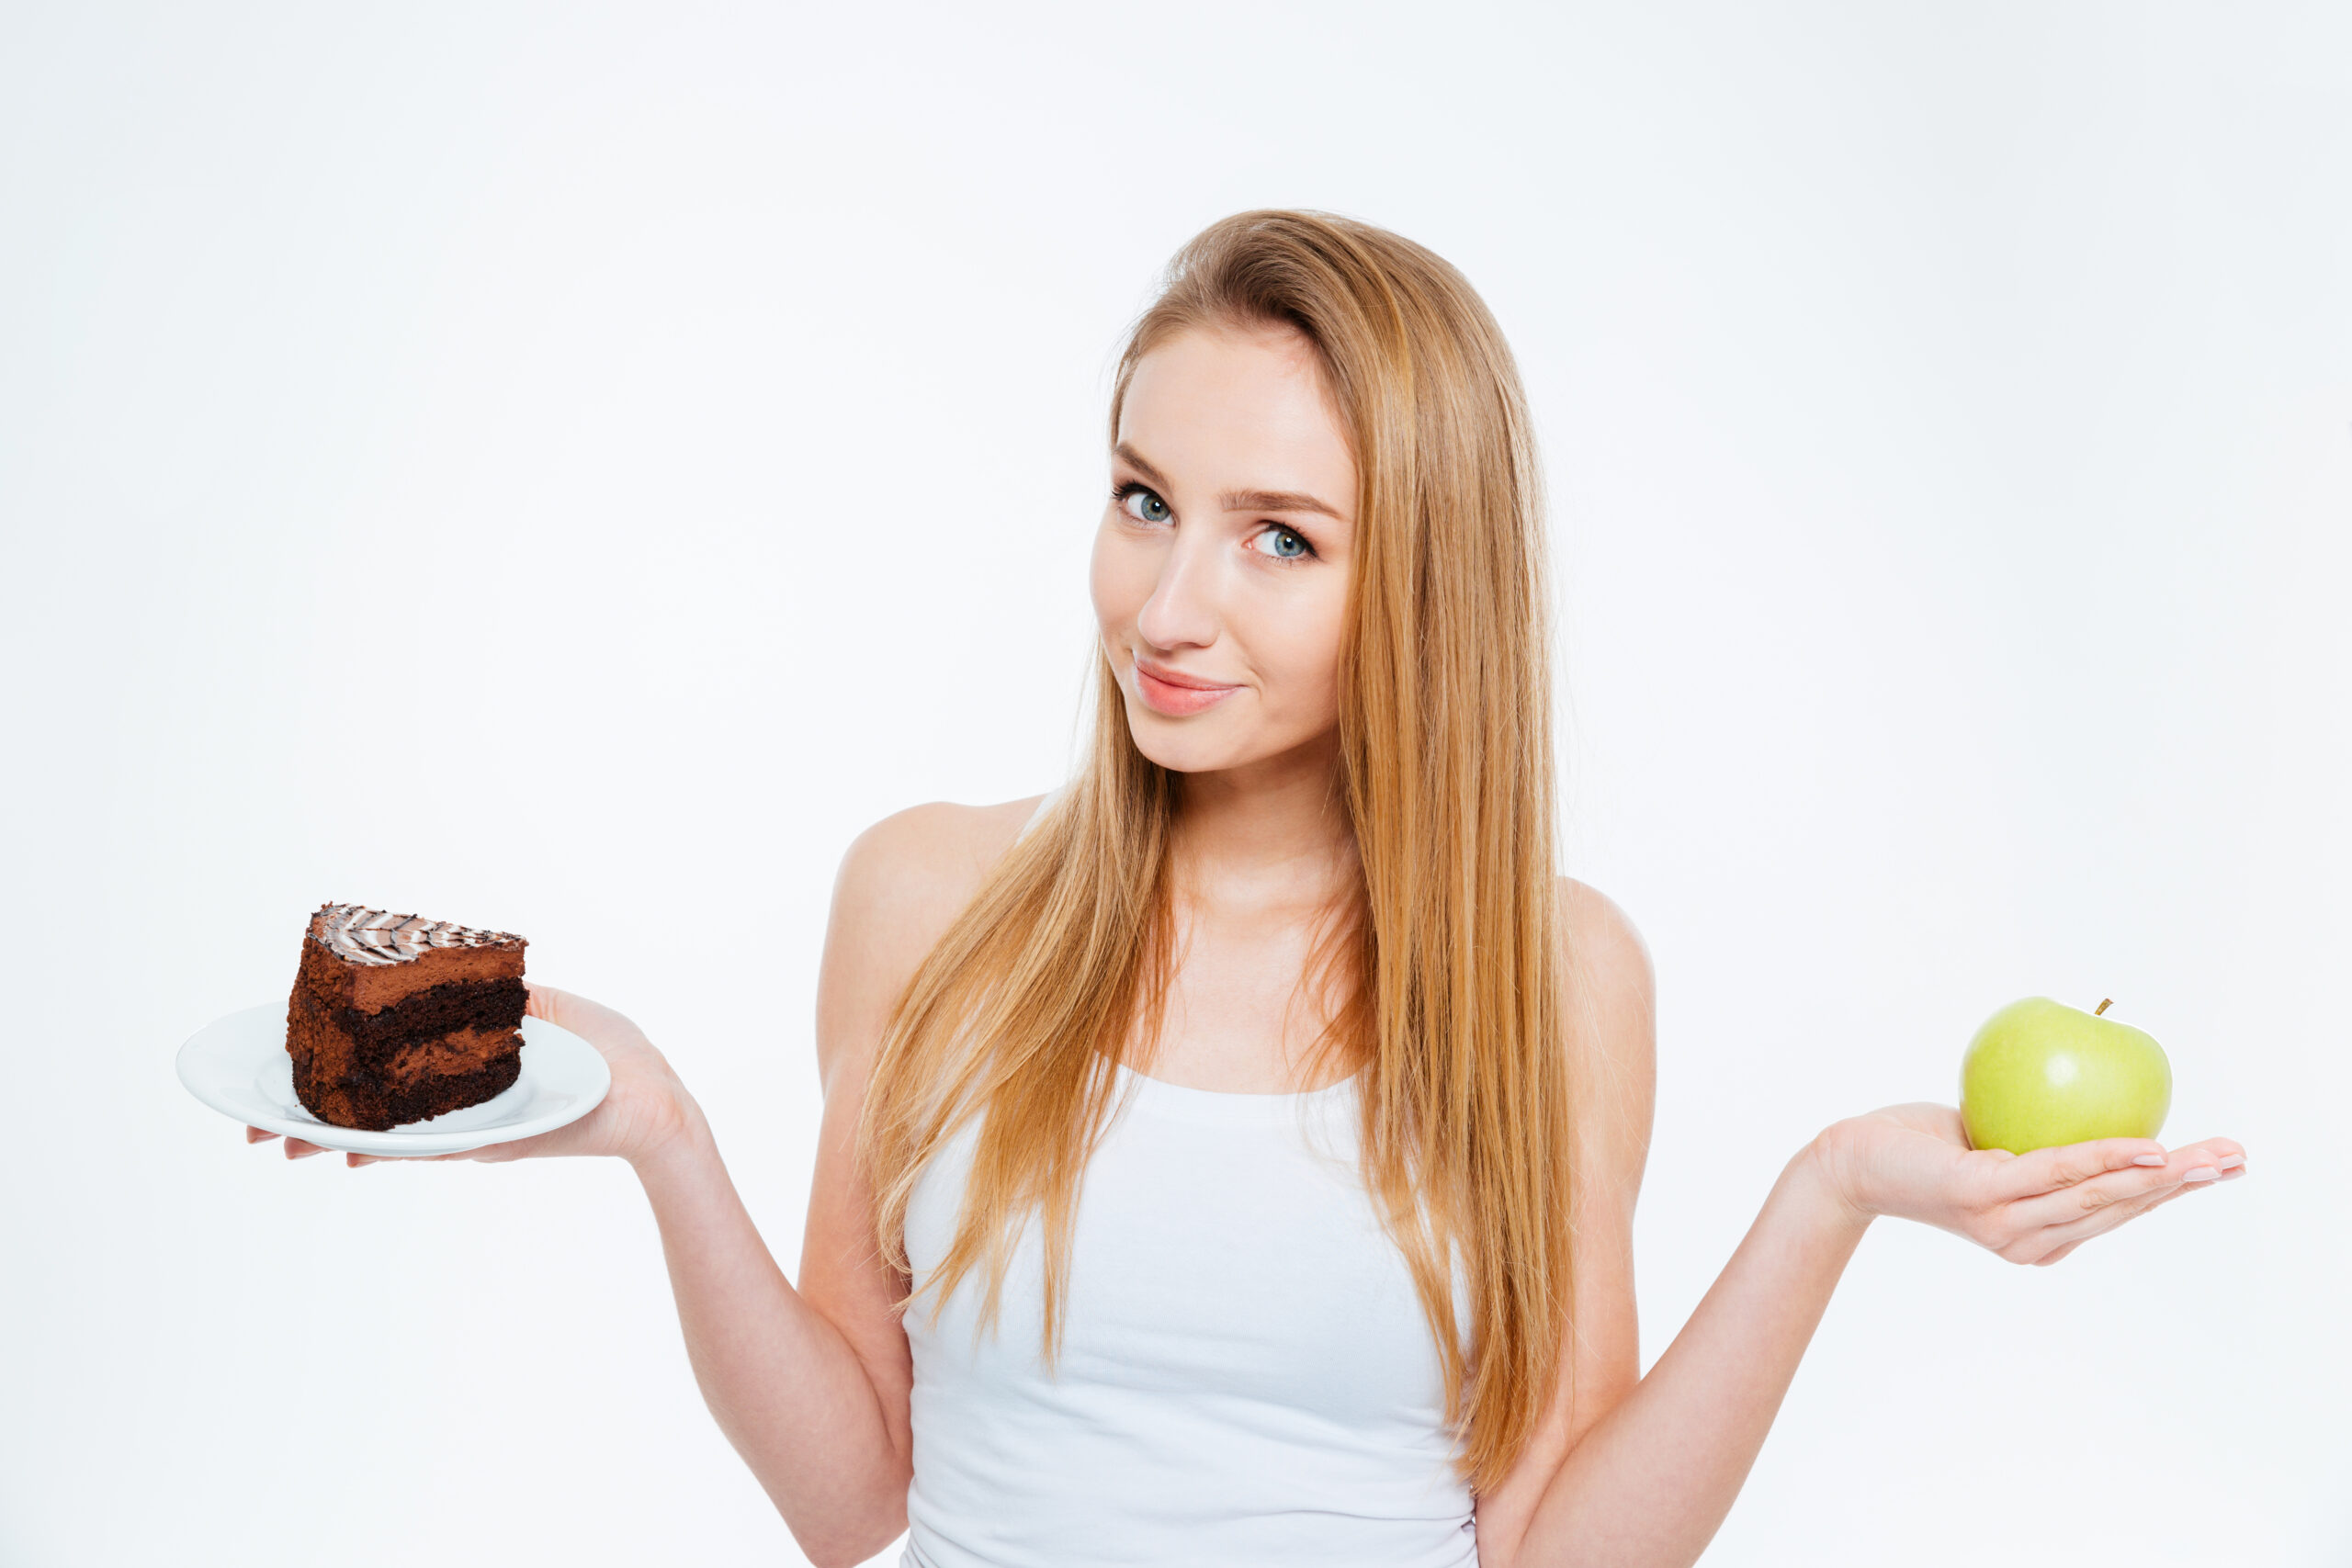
x: 1182, y: 610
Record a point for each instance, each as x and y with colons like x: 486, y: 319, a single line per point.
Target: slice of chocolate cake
x: 395, y: 1017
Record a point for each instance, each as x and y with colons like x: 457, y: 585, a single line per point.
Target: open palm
x: 1914, y: 1162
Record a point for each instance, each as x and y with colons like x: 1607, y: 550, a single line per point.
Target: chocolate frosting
x: 378, y: 938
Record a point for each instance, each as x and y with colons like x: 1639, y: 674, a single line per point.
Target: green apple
x: 2040, y: 1073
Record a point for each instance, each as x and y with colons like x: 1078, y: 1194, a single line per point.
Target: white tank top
x: 1245, y: 1375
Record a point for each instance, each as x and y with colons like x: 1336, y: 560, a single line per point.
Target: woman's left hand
x: 1913, y: 1161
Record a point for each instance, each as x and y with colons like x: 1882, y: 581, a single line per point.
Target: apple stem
x: 2103, y: 1007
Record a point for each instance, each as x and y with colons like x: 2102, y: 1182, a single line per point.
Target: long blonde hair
x: 1454, y: 1003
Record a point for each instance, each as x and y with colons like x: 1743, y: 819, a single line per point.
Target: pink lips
x: 1175, y: 694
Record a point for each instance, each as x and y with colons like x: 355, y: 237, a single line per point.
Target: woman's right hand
x: 645, y: 1109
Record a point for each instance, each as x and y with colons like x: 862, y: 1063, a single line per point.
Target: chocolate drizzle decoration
x: 378, y: 937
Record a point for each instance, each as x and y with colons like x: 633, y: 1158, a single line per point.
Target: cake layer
x: 377, y: 1085
x: 449, y: 1056
x: 370, y: 959
x: 377, y: 1107
x: 422, y: 1015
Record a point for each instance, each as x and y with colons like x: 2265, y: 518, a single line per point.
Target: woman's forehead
x: 1243, y: 409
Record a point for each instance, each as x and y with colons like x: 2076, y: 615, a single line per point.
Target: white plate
x: 239, y: 1067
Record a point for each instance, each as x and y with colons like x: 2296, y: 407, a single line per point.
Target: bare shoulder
x: 1605, y: 952
x: 902, y: 885
x: 1611, y: 1026
x: 928, y: 861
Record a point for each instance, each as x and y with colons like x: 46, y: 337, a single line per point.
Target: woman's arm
x: 812, y: 1385
x: 809, y: 1385
x: 1611, y: 1029
x: 1651, y: 1483
x: 1636, y: 1472
x: 784, y: 1381
x: 781, y: 1379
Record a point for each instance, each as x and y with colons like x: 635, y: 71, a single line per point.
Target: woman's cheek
x: 1118, y: 580
x: 1309, y: 657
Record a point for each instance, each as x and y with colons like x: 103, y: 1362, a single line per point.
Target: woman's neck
x: 1278, y: 827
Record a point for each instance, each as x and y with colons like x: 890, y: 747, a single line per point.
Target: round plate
x: 239, y: 1067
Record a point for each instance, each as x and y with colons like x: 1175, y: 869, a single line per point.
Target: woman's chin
x: 1199, y: 745
x: 1188, y: 756
x: 1186, y: 745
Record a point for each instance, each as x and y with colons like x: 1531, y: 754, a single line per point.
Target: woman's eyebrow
x: 1237, y: 500
x: 1275, y: 501
x: 1134, y: 459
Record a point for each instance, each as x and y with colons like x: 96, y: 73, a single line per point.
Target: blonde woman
x: 1231, y: 1157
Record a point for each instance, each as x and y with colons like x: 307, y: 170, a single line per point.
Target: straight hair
x: 1449, y: 962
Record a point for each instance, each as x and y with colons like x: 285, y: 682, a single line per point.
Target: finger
x: 2059, y: 1240
x: 545, y: 1001
x: 255, y: 1135
x: 499, y: 1153
x: 297, y: 1149
x: 2192, y: 1166
x: 489, y: 1152
x: 2220, y: 1154
x: 2072, y: 1234
x: 2056, y: 1242
x: 2093, y: 1195
x: 2047, y: 1170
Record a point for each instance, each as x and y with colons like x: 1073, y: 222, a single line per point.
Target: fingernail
x: 2230, y: 1162
x: 2202, y: 1173
x: 2147, y: 1159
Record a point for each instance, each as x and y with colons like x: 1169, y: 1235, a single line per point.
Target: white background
x: 569, y: 469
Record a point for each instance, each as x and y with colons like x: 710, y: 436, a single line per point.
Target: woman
x: 1355, y: 1090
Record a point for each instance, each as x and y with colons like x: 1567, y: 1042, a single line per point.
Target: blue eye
x: 1282, y: 544
x: 1141, y: 505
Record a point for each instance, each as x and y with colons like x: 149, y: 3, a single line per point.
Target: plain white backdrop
x: 571, y: 467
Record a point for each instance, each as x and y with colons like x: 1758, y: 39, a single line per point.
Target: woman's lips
x: 1175, y: 694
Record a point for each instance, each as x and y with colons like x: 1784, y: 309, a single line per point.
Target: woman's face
x: 1221, y: 571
